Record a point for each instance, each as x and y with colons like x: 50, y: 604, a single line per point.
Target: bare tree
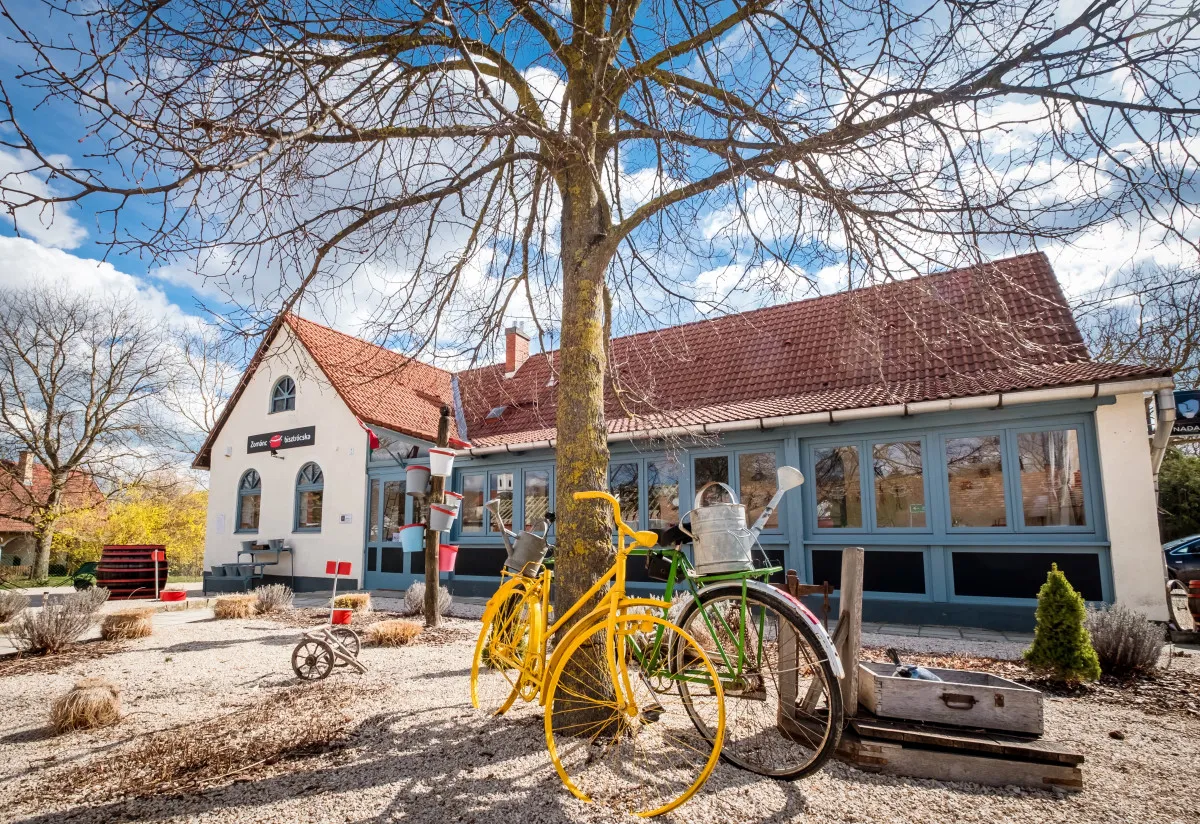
x: 1149, y: 315
x: 78, y: 375
x: 208, y: 367
x: 581, y: 162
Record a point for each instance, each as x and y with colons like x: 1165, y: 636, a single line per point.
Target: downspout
x: 1164, y: 417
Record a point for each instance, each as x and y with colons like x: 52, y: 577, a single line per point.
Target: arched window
x: 310, y: 489
x: 283, y: 396
x: 249, y: 501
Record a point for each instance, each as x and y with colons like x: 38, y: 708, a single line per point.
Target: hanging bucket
x: 721, y: 542
x: 416, y: 480
x: 440, y: 517
x: 341, y: 616
x: 441, y: 462
x: 453, y: 501
x: 411, y: 537
x: 1194, y: 598
x: 447, y: 555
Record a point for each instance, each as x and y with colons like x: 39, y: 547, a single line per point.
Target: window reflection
x: 537, y: 497
x: 374, y: 517
x: 899, y: 485
x: 393, y: 509
x: 713, y: 469
x: 757, y: 483
x: 1051, y: 478
x: 471, y: 517
x: 623, y: 485
x: 975, y: 475
x: 500, y: 487
x: 838, y: 487
x: 662, y: 492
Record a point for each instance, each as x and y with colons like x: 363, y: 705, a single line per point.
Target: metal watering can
x: 526, y: 550
x: 721, y: 542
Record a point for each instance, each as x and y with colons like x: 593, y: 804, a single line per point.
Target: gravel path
x: 415, y: 751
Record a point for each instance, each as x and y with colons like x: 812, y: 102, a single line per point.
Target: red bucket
x: 447, y: 555
x: 172, y: 595
x: 342, y: 616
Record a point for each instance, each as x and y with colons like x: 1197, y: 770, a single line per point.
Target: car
x: 1183, y: 558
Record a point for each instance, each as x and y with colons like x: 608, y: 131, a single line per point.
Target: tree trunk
x: 43, y: 534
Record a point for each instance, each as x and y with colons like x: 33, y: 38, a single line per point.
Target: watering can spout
x: 788, y: 477
x: 494, y: 507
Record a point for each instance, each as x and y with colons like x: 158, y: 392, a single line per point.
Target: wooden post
x: 437, y: 495
x: 848, y: 635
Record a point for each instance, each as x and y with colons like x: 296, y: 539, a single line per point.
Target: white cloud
x: 55, y: 227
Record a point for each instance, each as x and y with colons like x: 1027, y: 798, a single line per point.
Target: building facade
x: 964, y: 475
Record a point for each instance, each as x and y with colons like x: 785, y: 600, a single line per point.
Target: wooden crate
x: 930, y: 751
x: 967, y: 699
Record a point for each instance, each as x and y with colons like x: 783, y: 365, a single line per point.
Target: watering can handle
x: 700, y: 493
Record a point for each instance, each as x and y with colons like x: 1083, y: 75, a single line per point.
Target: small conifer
x: 1061, y: 644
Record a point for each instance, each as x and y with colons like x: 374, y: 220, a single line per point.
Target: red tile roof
x: 16, y: 498
x: 1003, y: 326
x: 996, y: 327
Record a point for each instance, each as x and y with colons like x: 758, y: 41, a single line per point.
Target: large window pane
x: 714, y: 468
x: 757, y: 483
x: 393, y: 508
x: 883, y: 571
x: 623, y: 485
x: 500, y: 486
x: 1021, y: 574
x: 309, y: 515
x: 1051, y: 478
x: 471, y: 517
x: 976, y: 480
x: 249, y: 512
x: 899, y: 484
x: 537, y: 497
x: 662, y: 492
x: 838, y: 487
x: 374, y: 528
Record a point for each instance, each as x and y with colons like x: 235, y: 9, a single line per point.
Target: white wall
x: 340, y: 450
x: 1129, y: 502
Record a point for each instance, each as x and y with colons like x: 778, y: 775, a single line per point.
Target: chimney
x: 516, y: 348
x: 25, y: 468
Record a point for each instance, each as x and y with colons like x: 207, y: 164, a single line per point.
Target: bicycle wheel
x: 349, y: 639
x: 644, y: 755
x: 502, y: 649
x: 782, y: 700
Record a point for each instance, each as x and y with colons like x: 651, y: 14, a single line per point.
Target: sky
x: 68, y: 246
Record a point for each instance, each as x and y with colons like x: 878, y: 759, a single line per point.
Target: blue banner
x: 1187, y: 414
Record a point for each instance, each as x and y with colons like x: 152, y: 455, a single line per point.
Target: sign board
x: 337, y: 567
x: 286, y: 439
x: 916, y: 509
x: 1187, y: 415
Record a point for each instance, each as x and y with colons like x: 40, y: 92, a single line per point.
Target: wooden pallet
x: 951, y: 754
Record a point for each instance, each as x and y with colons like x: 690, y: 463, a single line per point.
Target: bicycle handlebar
x: 646, y: 538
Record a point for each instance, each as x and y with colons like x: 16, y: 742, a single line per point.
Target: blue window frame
x: 249, y: 501
x: 283, y: 395
x: 310, y: 493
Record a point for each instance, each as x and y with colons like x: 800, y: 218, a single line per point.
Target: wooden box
x: 961, y: 698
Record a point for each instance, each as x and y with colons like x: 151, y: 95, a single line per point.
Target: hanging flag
x: 343, y: 568
x: 331, y: 567
x: 372, y: 438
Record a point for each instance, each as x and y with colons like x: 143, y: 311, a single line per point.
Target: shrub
x: 1125, y: 642
x: 234, y: 606
x: 272, y: 597
x: 128, y: 623
x: 1061, y: 644
x: 414, y: 600
x: 392, y: 633
x: 12, y: 603
x: 53, y: 627
x: 357, y: 601
x: 92, y: 702
x: 90, y: 599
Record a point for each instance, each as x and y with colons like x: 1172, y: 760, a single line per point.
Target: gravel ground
x: 410, y: 748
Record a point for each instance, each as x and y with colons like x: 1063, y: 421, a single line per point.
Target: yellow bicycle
x: 619, y: 728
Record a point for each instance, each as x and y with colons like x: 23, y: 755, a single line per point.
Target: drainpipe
x: 1164, y: 416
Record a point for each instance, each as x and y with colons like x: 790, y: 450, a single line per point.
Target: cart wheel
x: 312, y: 660
x: 348, y: 638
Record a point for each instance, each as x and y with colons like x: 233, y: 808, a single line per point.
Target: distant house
x: 954, y: 425
x: 24, y: 482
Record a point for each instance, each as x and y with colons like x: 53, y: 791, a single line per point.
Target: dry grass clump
x: 273, y: 597
x: 1125, y: 642
x: 414, y: 600
x: 12, y: 603
x: 395, y: 633
x: 128, y: 623
x: 234, y: 606
x: 290, y: 723
x: 91, y: 703
x: 53, y: 627
x: 357, y: 601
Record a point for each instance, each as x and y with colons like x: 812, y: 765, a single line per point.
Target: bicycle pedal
x: 652, y: 713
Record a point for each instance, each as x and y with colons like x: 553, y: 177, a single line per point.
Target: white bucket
x: 416, y: 480
x: 441, y: 462
x: 411, y: 537
x: 454, y: 501
x: 441, y: 518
